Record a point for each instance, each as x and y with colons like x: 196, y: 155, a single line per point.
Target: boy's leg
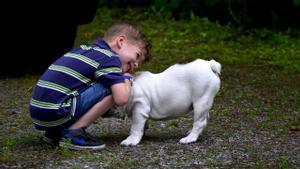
x: 93, y: 103
x: 94, y: 113
x: 77, y: 137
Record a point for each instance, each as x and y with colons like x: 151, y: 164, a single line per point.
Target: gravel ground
x: 254, y: 123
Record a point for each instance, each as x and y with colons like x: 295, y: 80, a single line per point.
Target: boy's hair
x: 131, y: 31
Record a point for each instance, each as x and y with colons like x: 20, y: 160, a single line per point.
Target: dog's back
x: 199, y: 74
x: 175, y: 89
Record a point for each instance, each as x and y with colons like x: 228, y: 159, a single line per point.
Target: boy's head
x: 129, y: 43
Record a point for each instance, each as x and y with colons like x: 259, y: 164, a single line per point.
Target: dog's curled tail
x: 215, y: 67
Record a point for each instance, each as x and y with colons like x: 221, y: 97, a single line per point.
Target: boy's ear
x: 120, y: 40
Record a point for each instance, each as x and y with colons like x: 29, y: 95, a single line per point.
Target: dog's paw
x: 187, y: 140
x: 130, y: 141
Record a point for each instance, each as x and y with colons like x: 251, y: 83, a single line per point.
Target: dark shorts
x: 86, y: 100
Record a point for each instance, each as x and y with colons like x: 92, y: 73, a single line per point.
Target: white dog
x: 177, y: 90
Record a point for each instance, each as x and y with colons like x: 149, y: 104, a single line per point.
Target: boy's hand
x: 128, y: 76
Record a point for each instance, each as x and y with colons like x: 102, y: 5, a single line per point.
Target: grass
x: 185, y: 40
x: 254, y: 120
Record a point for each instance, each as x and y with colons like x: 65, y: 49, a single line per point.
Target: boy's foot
x: 79, y: 139
x: 52, y: 137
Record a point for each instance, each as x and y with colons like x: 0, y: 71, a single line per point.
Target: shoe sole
x: 77, y: 147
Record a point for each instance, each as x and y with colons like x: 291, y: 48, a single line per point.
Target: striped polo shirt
x: 54, y: 98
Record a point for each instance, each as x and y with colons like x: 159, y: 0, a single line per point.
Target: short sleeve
x: 110, y: 72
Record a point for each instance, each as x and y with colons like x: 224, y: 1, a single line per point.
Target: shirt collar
x: 102, y: 44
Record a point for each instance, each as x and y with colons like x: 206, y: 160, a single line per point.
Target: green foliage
x: 179, y: 41
x: 285, y: 162
x: 173, y: 123
x: 8, y: 148
x: 167, y: 5
x: 65, y: 151
x: 296, y: 2
x: 275, y: 14
x: 76, y: 167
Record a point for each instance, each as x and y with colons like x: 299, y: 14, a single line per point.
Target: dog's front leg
x: 139, y: 118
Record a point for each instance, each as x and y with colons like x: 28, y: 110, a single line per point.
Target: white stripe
x: 44, y: 86
x: 78, y: 57
x: 42, y: 107
x: 104, y: 51
x: 57, y: 68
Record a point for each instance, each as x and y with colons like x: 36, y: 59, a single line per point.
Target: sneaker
x: 79, y: 139
x: 52, y: 137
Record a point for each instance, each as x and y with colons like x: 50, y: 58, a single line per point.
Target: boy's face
x: 130, y: 55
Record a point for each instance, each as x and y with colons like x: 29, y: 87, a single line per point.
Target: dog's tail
x: 215, y: 67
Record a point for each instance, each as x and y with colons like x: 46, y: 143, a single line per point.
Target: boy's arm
x: 121, y: 92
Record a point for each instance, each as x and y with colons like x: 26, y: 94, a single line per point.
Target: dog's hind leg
x: 201, y: 111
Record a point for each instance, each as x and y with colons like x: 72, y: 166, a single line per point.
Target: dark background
x: 279, y: 14
x: 37, y: 33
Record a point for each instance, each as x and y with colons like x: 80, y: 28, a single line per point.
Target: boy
x: 85, y: 83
